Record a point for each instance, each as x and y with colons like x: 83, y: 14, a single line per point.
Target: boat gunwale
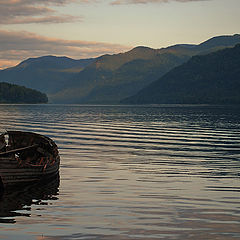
x: 33, y: 171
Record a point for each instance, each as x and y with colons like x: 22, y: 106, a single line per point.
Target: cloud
x: 17, y: 46
x: 121, y: 2
x: 32, y: 11
x: 45, y: 19
x: 43, y: 11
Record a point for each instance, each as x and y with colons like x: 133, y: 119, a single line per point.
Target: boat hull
x: 12, y: 174
x: 15, y: 171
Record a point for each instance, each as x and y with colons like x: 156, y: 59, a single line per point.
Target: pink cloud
x: 121, y: 2
x: 45, y: 19
x: 7, y: 63
x: 31, y: 11
x: 17, y: 46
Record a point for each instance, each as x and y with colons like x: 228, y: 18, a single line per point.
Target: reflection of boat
x: 26, y: 157
x: 32, y: 194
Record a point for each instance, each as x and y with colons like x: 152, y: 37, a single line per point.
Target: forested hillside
x: 112, y: 78
x: 209, y: 79
x: 11, y: 93
x: 109, y: 78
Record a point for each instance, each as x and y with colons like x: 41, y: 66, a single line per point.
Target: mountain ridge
x: 121, y: 75
x: 108, y: 78
x: 207, y: 79
x: 47, y: 73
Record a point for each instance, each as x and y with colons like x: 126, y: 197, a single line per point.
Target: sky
x: 90, y: 28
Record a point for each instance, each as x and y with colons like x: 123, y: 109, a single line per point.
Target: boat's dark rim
x: 34, y: 172
x: 27, y: 132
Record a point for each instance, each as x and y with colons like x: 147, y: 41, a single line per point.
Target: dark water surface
x: 149, y: 172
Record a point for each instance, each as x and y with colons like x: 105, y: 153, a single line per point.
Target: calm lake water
x: 128, y: 172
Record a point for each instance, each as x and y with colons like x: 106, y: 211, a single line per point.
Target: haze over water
x: 130, y: 172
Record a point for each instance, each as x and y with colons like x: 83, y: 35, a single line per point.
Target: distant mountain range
x: 48, y: 74
x: 109, y: 78
x: 210, y: 79
x: 11, y: 93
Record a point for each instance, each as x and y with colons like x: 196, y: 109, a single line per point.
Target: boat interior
x: 28, y: 148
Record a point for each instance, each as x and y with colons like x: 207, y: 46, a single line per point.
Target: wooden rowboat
x: 26, y: 157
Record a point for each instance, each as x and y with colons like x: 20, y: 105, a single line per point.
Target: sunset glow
x: 90, y: 28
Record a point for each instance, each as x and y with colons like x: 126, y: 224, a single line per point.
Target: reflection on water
x: 131, y: 172
x: 16, y: 202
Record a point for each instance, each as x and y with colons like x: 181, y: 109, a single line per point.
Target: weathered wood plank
x: 18, y: 150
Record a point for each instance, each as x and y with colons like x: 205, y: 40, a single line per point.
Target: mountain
x: 112, y: 78
x: 48, y: 73
x: 207, y: 79
x: 11, y: 93
x: 109, y: 78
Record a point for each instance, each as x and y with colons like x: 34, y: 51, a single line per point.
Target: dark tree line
x: 11, y: 93
x: 210, y: 79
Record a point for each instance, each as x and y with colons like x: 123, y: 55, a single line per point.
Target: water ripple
x: 150, y: 172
